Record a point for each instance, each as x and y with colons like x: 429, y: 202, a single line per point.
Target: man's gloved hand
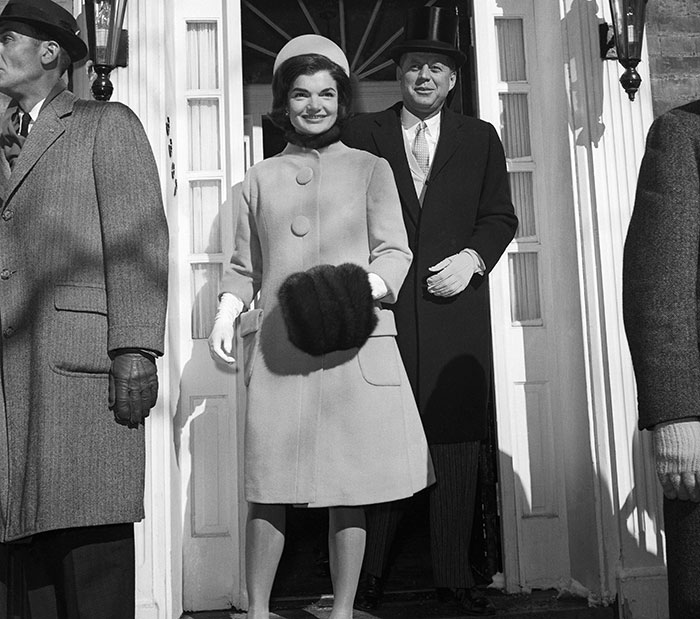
x: 133, y: 386
x: 677, y: 453
x: 452, y: 275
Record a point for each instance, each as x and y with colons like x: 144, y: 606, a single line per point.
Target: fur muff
x: 328, y: 308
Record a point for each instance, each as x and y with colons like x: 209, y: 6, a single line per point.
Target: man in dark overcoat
x: 451, y: 174
x: 83, y: 278
x: 661, y: 306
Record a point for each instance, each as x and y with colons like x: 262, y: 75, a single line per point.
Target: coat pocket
x: 79, y: 330
x: 249, y: 330
x: 379, y: 357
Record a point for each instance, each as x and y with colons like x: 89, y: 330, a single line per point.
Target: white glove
x: 453, y: 274
x: 378, y: 286
x: 221, y: 336
x: 677, y: 453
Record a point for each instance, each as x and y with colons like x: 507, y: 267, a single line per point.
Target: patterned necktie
x: 420, y: 148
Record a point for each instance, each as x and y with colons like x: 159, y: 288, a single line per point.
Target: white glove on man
x: 677, y: 453
x: 453, y: 274
x: 221, y: 336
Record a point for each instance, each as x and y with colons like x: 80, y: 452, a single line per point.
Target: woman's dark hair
x: 307, y: 64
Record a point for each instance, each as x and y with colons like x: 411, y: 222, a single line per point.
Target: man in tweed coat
x: 83, y: 277
x: 661, y: 300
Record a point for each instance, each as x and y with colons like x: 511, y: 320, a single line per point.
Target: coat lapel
x: 48, y: 128
x: 450, y: 135
x: 389, y: 141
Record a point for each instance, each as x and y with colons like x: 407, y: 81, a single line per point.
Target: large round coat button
x: 301, y: 225
x: 8, y: 214
x: 5, y: 274
x: 304, y: 175
x: 8, y: 332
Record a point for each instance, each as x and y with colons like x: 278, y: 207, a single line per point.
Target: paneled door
x: 544, y: 470
x: 206, y: 158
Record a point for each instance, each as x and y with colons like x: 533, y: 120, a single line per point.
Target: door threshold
x: 421, y: 604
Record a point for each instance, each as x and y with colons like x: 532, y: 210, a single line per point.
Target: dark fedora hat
x: 328, y: 308
x: 49, y: 19
x: 430, y: 29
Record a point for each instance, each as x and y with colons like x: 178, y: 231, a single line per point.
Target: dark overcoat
x: 83, y: 270
x: 661, y: 307
x: 445, y: 343
x: 661, y: 279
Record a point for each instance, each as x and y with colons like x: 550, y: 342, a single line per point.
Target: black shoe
x: 369, y: 592
x: 471, y: 601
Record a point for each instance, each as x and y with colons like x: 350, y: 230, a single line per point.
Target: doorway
x: 366, y: 32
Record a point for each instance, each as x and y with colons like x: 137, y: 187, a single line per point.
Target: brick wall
x: 673, y: 39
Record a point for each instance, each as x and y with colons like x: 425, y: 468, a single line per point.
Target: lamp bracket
x: 606, y: 36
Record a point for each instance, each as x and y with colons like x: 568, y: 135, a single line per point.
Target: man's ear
x: 50, y: 53
x: 453, y: 79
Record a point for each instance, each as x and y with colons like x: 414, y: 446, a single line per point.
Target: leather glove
x: 133, y: 386
x: 221, y: 336
x: 677, y: 453
x: 453, y: 274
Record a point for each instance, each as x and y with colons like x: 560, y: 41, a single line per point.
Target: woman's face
x: 313, y: 103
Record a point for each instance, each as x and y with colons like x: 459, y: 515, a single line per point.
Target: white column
x: 607, y: 136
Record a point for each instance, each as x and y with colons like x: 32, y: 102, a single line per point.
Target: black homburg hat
x: 48, y: 19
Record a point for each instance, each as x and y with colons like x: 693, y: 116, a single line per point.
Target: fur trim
x: 328, y: 308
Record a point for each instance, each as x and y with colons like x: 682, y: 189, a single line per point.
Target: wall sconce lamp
x: 626, y: 36
x: 107, y: 42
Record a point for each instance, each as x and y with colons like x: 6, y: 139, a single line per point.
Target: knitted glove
x: 677, y: 452
x: 453, y: 274
x: 133, y: 386
x: 221, y: 336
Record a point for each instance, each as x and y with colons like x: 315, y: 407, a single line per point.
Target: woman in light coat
x: 339, y: 429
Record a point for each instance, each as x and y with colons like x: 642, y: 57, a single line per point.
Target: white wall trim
x: 607, y: 137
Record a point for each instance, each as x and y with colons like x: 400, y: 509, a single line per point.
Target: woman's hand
x: 221, y: 336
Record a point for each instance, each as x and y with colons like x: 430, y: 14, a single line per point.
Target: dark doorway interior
x: 303, y: 571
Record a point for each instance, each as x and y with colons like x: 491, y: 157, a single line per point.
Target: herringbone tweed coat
x: 340, y: 428
x: 83, y: 270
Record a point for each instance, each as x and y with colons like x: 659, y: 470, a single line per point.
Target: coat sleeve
x: 496, y: 221
x: 390, y: 257
x: 660, y: 269
x: 243, y: 275
x: 134, y: 231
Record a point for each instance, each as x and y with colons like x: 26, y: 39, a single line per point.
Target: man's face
x: 426, y: 79
x: 20, y: 62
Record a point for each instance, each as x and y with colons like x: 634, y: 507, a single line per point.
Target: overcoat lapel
x: 450, y: 135
x: 389, y: 140
x: 42, y: 136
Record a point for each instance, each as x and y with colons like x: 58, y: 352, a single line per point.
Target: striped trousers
x: 451, y: 507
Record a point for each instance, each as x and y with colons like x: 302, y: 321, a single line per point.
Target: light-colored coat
x: 342, y: 428
x: 83, y: 271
